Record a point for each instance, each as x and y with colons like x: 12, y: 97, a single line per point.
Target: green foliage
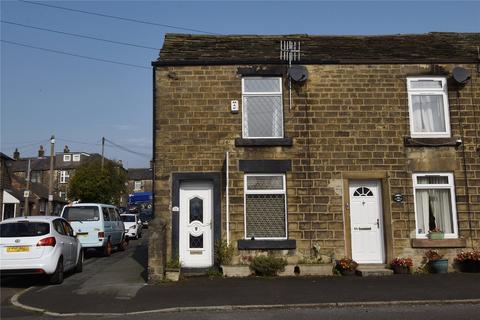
x: 267, y: 265
x: 173, y: 264
x: 92, y: 184
x: 213, y: 272
x: 223, y: 252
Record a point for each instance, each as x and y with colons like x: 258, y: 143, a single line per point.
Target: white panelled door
x: 366, y: 221
x: 195, y: 234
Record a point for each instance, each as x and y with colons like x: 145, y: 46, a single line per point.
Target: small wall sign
x: 398, y: 197
x: 175, y: 209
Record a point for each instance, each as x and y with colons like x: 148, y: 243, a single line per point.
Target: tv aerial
x: 290, y: 51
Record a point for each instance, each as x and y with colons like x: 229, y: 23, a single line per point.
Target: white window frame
x: 450, y: 185
x: 276, y: 191
x: 76, y: 158
x: 443, y: 91
x: 135, y: 185
x: 261, y: 94
x: 64, y: 176
x: 67, y: 158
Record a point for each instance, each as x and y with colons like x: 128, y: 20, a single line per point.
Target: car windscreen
x: 24, y: 229
x: 128, y: 218
x: 81, y: 213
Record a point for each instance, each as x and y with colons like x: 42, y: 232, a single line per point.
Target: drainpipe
x: 227, y: 200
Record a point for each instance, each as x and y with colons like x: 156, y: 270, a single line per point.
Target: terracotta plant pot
x: 401, y: 269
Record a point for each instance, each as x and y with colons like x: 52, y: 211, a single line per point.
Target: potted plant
x: 346, y: 266
x: 436, y: 234
x: 267, y: 266
x: 435, y: 262
x: 172, y: 270
x: 223, y: 259
x: 317, y: 265
x: 401, y: 265
x: 468, y: 261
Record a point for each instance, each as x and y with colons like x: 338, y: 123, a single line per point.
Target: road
x: 122, y: 276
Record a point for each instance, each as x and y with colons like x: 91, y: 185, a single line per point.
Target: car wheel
x: 79, y: 266
x: 107, y: 249
x: 57, y: 276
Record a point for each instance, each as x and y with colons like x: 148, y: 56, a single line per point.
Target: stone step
x: 374, y: 270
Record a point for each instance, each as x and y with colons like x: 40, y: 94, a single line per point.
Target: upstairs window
x: 67, y: 158
x: 262, y: 107
x: 428, y: 107
x: 76, y: 157
x: 137, y: 186
x: 64, y: 176
x: 435, y: 204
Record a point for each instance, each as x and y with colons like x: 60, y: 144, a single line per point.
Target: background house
x: 139, y: 180
x: 372, y: 147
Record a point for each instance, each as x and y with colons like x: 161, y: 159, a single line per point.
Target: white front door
x: 195, y: 234
x: 366, y: 221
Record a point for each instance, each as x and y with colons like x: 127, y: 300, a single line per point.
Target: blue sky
x: 81, y: 101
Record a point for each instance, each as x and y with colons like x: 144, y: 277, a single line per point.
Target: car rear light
x: 47, y: 242
x: 101, y: 234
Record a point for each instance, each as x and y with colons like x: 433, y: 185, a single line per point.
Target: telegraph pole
x: 50, y: 180
x: 26, y: 193
x: 103, y: 151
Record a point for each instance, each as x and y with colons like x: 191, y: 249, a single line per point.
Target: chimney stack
x: 66, y: 149
x: 41, y: 152
x: 16, y: 154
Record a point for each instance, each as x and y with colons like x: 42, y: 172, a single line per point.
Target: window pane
x: 265, y: 215
x: 434, y: 210
x: 196, y: 210
x: 261, y: 85
x: 85, y: 213
x: 263, y: 116
x: 432, y: 180
x: 264, y: 183
x: 24, y: 229
x: 428, y: 113
x: 426, y: 84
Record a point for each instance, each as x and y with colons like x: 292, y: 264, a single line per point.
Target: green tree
x: 92, y: 184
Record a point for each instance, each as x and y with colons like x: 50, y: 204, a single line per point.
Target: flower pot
x: 400, y: 269
x: 436, y: 236
x: 439, y: 266
x: 470, y: 266
x: 348, y: 273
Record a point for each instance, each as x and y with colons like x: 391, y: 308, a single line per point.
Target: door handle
x: 378, y: 223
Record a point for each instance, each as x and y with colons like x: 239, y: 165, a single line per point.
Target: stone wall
x: 345, y: 121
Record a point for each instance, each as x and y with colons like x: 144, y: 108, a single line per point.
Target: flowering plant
x: 473, y: 255
x: 403, y: 262
x: 436, y: 230
x: 346, y: 264
x: 433, y: 255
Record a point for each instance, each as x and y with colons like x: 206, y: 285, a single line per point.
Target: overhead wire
x: 79, y: 35
x: 127, y: 149
x: 118, y: 17
x: 75, y: 55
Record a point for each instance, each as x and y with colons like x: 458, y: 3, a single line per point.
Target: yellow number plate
x: 18, y: 249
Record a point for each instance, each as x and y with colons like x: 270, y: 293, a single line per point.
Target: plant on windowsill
x: 172, y: 270
x: 435, y: 262
x: 346, y: 266
x: 468, y: 261
x: 401, y: 265
x: 436, y: 234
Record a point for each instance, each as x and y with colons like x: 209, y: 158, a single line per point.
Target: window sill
x: 444, y: 243
x: 275, y: 142
x: 432, y: 142
x: 286, y: 244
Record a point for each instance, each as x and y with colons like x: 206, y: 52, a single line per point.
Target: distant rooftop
x: 140, y: 174
x: 434, y: 47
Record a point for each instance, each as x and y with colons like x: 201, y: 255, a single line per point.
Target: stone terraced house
x: 360, y: 149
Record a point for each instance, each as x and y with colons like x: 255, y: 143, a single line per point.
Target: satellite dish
x: 298, y: 73
x: 460, y: 75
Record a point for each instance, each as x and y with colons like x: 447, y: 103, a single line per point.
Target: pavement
x: 202, y: 293
x: 116, y: 286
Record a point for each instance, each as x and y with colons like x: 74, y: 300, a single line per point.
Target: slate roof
x: 434, y: 47
x: 140, y: 174
x: 43, y: 164
x: 37, y: 188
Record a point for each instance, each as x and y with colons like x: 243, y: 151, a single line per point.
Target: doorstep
x: 373, y: 270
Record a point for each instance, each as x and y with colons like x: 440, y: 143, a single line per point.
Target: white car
x: 39, y: 245
x: 133, y: 225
